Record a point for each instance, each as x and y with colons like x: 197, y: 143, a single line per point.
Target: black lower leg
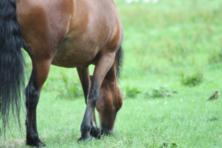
x: 32, y: 98
x: 87, y: 129
x: 95, y: 131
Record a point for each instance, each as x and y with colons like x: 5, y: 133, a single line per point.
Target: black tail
x: 11, y: 61
x: 119, y: 58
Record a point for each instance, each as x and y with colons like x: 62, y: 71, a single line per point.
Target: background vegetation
x: 172, y: 64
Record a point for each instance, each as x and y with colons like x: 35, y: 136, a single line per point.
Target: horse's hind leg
x: 38, y: 77
x: 110, y: 101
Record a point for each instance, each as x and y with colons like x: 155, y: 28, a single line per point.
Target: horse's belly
x: 71, y: 59
x: 69, y: 54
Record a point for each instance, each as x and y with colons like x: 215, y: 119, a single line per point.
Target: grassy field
x: 172, y: 64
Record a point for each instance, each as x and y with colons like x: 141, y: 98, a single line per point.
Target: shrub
x: 132, y: 92
x: 215, y: 57
x: 161, y: 92
x: 192, y: 79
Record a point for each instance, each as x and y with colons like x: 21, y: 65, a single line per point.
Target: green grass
x: 169, y: 46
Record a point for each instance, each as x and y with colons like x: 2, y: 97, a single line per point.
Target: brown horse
x: 67, y: 33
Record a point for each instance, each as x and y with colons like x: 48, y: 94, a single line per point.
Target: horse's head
x: 108, y: 104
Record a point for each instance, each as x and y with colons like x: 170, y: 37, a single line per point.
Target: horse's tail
x: 11, y: 62
x: 119, y: 60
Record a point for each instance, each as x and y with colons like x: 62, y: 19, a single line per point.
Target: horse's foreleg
x: 38, y: 77
x: 84, y: 77
x: 102, y: 67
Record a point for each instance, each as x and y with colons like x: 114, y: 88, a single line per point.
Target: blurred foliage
x: 192, y: 79
x: 131, y: 92
x: 161, y: 92
x: 215, y: 57
x: 72, y: 90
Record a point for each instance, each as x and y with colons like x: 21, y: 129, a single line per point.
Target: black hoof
x: 95, y: 132
x: 35, y: 142
x: 85, y: 137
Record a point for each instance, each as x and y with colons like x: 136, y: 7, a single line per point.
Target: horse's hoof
x: 35, y: 143
x: 95, y: 132
x: 86, y: 137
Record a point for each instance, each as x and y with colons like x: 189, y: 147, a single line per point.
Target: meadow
x: 172, y: 65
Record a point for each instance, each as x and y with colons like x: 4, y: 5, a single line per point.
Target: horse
x: 65, y: 33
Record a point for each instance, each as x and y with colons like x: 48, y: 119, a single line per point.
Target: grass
x: 172, y: 65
